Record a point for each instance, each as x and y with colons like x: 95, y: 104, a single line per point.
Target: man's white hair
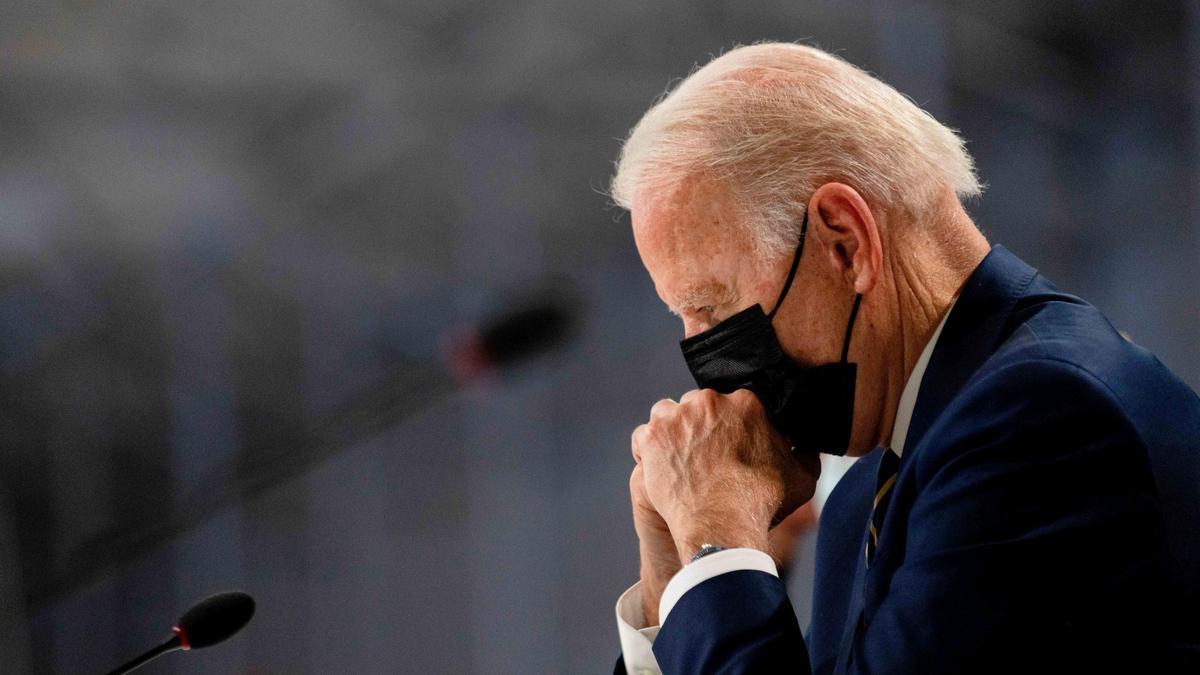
x: 775, y: 121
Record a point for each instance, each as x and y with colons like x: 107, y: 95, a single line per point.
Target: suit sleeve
x: 738, y: 622
x: 1033, y: 492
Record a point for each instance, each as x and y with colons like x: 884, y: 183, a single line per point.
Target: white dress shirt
x: 637, y: 639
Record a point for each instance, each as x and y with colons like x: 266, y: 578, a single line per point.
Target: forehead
x: 691, y: 218
x: 691, y: 242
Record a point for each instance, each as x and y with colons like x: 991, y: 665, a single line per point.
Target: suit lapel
x: 855, y: 609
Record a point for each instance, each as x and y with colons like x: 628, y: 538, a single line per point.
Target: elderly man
x: 1026, y: 500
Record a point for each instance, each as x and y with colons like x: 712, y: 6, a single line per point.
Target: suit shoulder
x: 1025, y: 412
x: 1062, y: 341
x: 1015, y: 385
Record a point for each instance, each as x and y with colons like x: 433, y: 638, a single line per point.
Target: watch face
x: 706, y: 549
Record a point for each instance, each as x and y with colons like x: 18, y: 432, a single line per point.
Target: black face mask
x: 812, y: 407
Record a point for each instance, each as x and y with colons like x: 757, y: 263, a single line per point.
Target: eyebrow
x: 701, y: 295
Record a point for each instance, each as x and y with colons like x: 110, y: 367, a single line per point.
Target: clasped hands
x: 710, y: 470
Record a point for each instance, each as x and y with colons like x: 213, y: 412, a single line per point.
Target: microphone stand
x: 168, y: 646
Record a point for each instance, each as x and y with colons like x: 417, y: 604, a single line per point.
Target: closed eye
x: 693, y: 311
x: 713, y: 296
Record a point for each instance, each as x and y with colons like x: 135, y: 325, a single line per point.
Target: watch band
x: 706, y: 549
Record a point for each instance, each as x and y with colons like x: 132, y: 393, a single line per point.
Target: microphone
x: 534, y: 326
x: 213, y: 620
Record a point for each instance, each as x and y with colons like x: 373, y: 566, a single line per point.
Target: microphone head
x: 214, y: 619
x: 534, y: 323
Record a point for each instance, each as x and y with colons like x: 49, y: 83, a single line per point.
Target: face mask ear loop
x: 792, y: 272
x: 850, y: 326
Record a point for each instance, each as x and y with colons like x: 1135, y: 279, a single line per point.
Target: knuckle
x: 707, y: 398
x: 635, y: 441
x: 744, y: 398
x: 662, y: 407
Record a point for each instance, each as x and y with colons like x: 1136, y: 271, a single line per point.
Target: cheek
x: 797, y: 344
x: 810, y: 339
x: 767, y: 283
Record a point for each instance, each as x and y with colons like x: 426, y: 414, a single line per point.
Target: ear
x: 840, y: 219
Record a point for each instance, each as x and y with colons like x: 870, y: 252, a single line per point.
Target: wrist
x: 689, y: 545
x: 657, y: 571
x: 658, y: 564
x: 653, y: 584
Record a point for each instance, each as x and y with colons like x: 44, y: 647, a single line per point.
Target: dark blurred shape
x: 531, y: 327
x: 215, y: 619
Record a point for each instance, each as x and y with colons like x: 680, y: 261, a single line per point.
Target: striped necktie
x: 889, y: 466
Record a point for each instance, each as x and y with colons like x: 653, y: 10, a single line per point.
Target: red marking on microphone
x: 183, y: 638
x: 465, y: 355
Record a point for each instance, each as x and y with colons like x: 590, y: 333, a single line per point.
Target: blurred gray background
x: 235, y: 236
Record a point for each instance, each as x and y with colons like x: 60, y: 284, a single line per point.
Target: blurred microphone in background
x: 534, y: 324
x: 531, y: 323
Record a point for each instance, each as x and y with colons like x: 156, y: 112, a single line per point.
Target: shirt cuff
x: 711, y: 565
x: 637, y: 639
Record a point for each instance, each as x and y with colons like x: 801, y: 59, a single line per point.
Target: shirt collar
x: 908, y: 397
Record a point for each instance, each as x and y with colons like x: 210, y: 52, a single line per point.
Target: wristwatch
x: 706, y: 549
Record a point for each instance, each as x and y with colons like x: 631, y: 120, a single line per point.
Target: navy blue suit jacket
x: 1045, y: 517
